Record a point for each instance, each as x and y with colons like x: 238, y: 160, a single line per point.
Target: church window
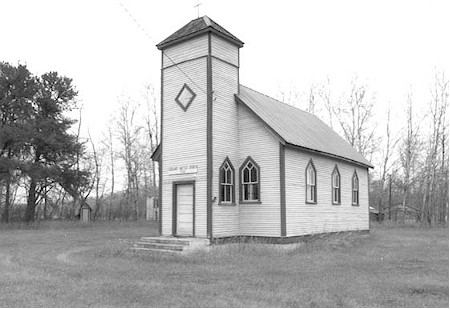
x: 355, y: 189
x: 226, y: 181
x: 336, y: 186
x: 250, y: 181
x: 311, y: 186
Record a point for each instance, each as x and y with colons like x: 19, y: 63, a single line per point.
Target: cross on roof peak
x: 197, y: 5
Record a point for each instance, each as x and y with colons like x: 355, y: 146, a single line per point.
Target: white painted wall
x: 238, y: 133
x: 184, y: 133
x: 224, y: 50
x: 225, y: 131
x: 302, y: 218
x: 259, y: 142
x: 187, y: 50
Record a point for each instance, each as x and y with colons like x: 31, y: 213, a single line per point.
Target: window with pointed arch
x: 336, y: 186
x: 226, y: 183
x: 249, y: 175
x: 311, y: 183
x: 355, y: 189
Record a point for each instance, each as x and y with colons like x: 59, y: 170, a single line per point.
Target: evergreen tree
x: 35, y: 142
x: 17, y: 91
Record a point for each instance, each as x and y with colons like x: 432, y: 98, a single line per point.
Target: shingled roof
x: 196, y: 27
x: 299, y: 128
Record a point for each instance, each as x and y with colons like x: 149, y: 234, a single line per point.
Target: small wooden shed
x: 85, y: 213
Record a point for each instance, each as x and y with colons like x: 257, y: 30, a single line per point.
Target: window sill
x: 356, y: 205
x: 226, y: 204
x: 249, y: 202
x: 311, y: 203
x: 336, y: 204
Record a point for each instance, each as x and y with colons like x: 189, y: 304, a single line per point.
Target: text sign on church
x: 185, y: 169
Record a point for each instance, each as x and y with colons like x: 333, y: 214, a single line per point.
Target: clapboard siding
x: 302, y: 218
x: 191, y: 49
x: 224, y: 50
x: 184, y: 138
x: 257, y: 141
x: 225, y: 141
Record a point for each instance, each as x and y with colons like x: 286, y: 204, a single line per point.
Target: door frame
x: 174, y: 205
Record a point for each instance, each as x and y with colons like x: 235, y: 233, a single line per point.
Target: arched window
x: 311, y: 187
x: 250, y: 182
x: 336, y: 186
x: 355, y: 189
x: 226, y: 183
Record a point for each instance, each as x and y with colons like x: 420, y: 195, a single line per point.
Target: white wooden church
x: 235, y: 162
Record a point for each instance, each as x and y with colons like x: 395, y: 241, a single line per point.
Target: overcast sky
x: 391, y: 45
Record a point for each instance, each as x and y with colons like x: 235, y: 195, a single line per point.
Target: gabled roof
x: 196, y: 27
x: 298, y: 128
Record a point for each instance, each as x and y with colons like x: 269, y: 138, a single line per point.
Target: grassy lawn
x: 73, y: 265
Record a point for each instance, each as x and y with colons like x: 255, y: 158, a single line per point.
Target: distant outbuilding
x: 85, y: 213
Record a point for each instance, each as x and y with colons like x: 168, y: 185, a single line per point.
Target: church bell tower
x: 199, y: 78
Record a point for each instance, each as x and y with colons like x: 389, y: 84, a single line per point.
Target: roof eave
x: 329, y: 155
x: 175, y: 41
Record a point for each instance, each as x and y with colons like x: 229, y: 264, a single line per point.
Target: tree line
x: 411, y: 164
x: 48, y: 169
x: 37, y: 151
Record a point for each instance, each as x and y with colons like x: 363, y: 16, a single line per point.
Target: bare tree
x: 386, y: 165
x: 409, y: 151
x: 313, y: 107
x: 325, y: 95
x: 290, y: 96
x: 97, y: 175
x: 151, y: 119
x: 108, y: 143
x: 437, y: 139
x: 355, y: 117
x: 129, y: 135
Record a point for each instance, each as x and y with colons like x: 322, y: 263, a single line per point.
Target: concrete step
x: 149, y: 250
x: 164, y: 240
x: 163, y: 246
x: 166, y: 244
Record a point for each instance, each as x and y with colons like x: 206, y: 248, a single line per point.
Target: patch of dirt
x: 5, y: 259
x: 65, y: 256
x: 428, y: 290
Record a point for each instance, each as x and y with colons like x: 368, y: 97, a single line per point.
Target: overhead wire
x: 154, y: 42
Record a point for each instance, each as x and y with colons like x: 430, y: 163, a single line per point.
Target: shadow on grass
x: 386, y: 224
x: 72, y: 224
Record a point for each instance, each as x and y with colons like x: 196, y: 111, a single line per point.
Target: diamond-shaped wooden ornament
x: 185, y: 97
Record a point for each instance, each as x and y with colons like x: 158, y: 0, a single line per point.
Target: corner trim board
x: 283, y: 190
x: 209, y: 154
x: 160, y: 163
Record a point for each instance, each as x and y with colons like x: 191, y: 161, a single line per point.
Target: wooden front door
x: 184, y: 209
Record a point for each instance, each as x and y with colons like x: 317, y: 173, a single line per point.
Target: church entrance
x: 183, y: 209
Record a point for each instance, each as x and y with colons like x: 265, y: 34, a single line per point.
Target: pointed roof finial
x: 197, y: 5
